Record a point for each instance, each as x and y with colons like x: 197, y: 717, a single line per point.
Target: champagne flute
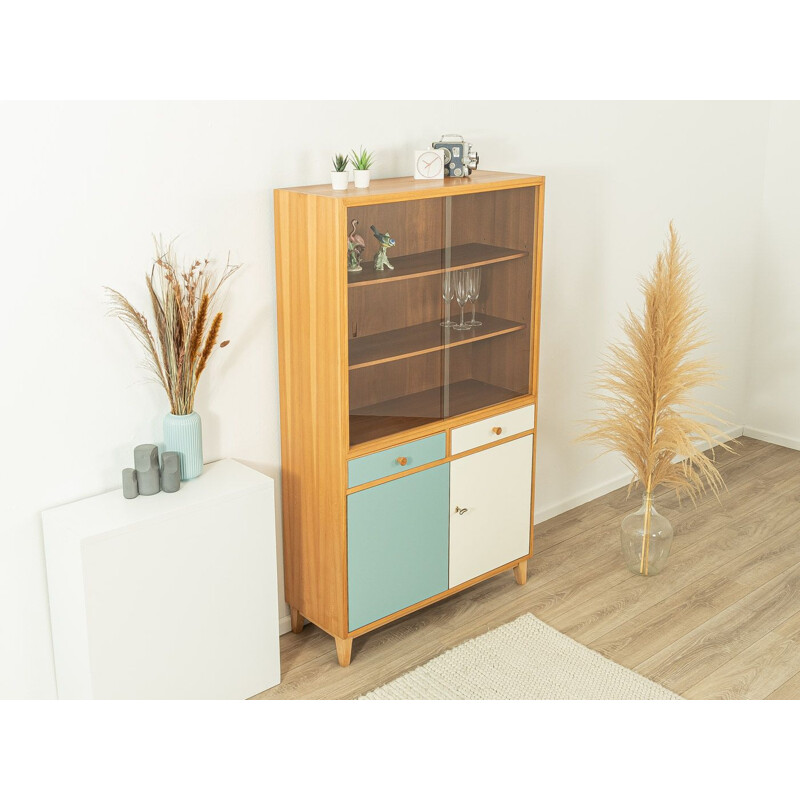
x: 461, y: 298
x: 474, y: 291
x: 447, y: 296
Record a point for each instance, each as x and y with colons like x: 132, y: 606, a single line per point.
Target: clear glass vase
x: 646, y: 539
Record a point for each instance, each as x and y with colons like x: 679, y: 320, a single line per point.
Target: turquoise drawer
x: 385, y: 463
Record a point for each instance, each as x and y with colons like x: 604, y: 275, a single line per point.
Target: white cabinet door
x: 494, y: 486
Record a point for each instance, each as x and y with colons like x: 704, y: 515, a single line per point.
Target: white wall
x: 773, y: 408
x: 84, y: 186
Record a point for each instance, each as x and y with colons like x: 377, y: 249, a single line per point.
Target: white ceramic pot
x: 361, y: 178
x: 339, y: 180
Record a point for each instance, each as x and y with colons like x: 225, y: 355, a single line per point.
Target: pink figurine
x: 355, y: 247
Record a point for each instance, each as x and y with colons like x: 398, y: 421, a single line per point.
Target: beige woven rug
x: 523, y: 660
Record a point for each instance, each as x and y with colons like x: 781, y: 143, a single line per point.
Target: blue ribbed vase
x: 183, y: 433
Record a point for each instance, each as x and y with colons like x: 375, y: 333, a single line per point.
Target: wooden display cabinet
x: 407, y: 438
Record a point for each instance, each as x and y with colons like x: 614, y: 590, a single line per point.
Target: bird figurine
x: 385, y: 241
x: 355, y: 247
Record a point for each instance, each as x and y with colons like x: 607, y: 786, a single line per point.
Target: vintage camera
x: 459, y: 157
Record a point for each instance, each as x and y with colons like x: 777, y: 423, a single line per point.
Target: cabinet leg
x: 521, y: 573
x: 297, y: 620
x: 344, y: 649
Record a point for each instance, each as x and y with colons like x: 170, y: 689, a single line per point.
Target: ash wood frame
x: 311, y: 282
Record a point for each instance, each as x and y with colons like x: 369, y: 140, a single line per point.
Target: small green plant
x: 361, y: 159
x: 340, y: 162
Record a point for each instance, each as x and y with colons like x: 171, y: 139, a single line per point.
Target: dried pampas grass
x: 646, y: 382
x: 182, y: 303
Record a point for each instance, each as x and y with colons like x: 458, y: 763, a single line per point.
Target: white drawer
x: 492, y: 429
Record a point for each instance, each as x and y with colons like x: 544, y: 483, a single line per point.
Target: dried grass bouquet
x: 646, y: 382
x: 186, y: 324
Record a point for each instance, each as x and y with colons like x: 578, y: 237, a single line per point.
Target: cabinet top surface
x: 109, y: 511
x: 389, y: 189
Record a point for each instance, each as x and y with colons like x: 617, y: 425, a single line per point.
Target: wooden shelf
x: 411, y: 411
x: 418, y: 265
x: 366, y: 351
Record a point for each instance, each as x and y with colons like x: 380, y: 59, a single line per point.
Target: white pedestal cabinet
x: 171, y: 596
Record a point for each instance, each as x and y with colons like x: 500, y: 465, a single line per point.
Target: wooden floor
x: 721, y: 621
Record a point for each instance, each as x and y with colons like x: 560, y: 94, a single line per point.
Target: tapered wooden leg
x: 521, y: 573
x: 344, y: 649
x: 297, y: 620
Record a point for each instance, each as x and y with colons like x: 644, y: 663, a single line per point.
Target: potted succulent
x: 339, y: 179
x: 187, y: 328
x: 362, y: 162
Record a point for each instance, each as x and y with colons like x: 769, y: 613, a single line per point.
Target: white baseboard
x: 772, y: 438
x: 543, y: 514
x: 609, y: 486
x: 284, y: 625
x: 735, y: 432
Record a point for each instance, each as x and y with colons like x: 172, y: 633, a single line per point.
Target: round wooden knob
x: 402, y: 461
x: 498, y: 431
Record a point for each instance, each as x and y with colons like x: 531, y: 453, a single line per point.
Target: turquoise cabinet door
x: 397, y: 544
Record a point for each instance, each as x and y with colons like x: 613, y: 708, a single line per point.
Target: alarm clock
x: 428, y: 164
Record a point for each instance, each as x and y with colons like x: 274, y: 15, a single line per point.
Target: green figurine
x: 385, y: 241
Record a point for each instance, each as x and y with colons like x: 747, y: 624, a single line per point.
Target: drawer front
x: 492, y: 429
x: 396, y: 459
x: 397, y: 544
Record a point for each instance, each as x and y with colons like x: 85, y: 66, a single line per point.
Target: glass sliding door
x: 443, y: 326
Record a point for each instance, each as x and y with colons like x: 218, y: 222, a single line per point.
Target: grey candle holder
x: 130, y: 484
x: 145, y: 458
x: 170, y: 471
